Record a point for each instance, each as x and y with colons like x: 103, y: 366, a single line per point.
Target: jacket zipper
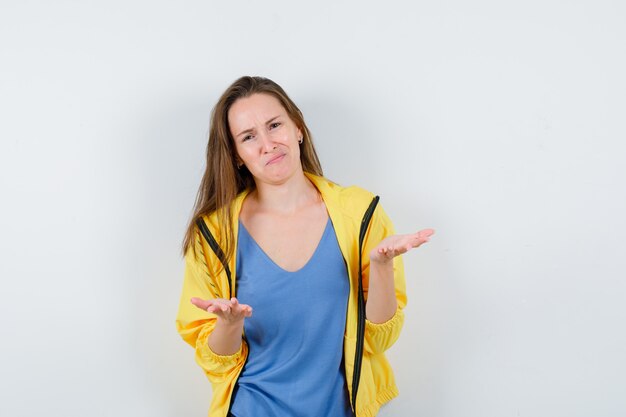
x: 360, y: 334
x: 217, y: 250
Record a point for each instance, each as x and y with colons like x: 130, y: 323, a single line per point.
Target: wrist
x: 230, y: 326
x: 381, y: 270
x: 381, y: 261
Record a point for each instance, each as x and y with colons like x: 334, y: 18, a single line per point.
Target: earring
x: 301, y: 140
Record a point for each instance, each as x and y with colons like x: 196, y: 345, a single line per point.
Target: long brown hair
x: 222, y: 180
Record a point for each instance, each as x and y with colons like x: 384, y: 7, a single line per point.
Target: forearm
x: 226, y: 337
x: 381, y: 296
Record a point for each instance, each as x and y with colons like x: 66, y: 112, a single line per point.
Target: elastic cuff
x: 388, y: 325
x: 221, y: 359
x: 205, y: 352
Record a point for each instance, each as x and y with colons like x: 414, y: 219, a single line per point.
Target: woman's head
x: 222, y: 149
x: 223, y: 178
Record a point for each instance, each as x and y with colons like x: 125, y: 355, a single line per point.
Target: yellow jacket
x: 206, y: 278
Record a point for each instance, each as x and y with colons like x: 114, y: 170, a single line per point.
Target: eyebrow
x: 251, y: 129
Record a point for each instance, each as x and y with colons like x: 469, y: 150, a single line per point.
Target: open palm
x: 395, y: 245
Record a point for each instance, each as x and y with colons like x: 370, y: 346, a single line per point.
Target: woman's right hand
x: 230, y: 311
x: 225, y: 339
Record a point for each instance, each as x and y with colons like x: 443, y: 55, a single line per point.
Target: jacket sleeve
x: 195, y: 325
x: 381, y: 336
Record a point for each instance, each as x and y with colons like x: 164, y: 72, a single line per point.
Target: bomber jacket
x: 205, y: 277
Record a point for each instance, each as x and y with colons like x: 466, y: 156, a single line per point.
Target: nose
x: 267, y: 143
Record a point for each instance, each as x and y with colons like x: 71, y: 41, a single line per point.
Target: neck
x: 288, y: 197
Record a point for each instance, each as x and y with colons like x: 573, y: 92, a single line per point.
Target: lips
x: 275, y: 159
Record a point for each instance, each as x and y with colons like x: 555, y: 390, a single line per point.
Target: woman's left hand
x: 395, y: 245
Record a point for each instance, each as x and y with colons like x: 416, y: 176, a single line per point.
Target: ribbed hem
x: 382, y: 397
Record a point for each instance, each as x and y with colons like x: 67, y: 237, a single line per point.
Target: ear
x: 237, y: 160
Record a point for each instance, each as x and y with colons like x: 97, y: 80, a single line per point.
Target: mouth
x: 275, y: 159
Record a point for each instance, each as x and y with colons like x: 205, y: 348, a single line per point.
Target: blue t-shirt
x: 295, y: 334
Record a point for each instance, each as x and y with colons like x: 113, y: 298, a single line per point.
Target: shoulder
x: 214, y: 221
x: 352, y: 200
x: 332, y: 190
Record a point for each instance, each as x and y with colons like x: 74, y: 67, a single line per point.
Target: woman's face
x: 266, y: 139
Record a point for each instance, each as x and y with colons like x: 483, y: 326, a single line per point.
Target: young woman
x: 293, y: 286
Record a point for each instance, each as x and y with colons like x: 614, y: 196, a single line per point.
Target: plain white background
x: 500, y: 124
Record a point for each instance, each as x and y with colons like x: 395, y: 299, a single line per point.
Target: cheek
x: 290, y: 136
x: 247, y: 153
x: 240, y: 153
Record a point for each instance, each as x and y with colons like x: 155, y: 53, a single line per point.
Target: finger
x: 235, y: 303
x: 200, y: 303
x: 426, y: 233
x: 239, y: 308
x: 215, y: 309
x: 419, y: 239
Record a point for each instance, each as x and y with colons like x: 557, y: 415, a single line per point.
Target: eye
x: 274, y: 125
x: 246, y: 138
